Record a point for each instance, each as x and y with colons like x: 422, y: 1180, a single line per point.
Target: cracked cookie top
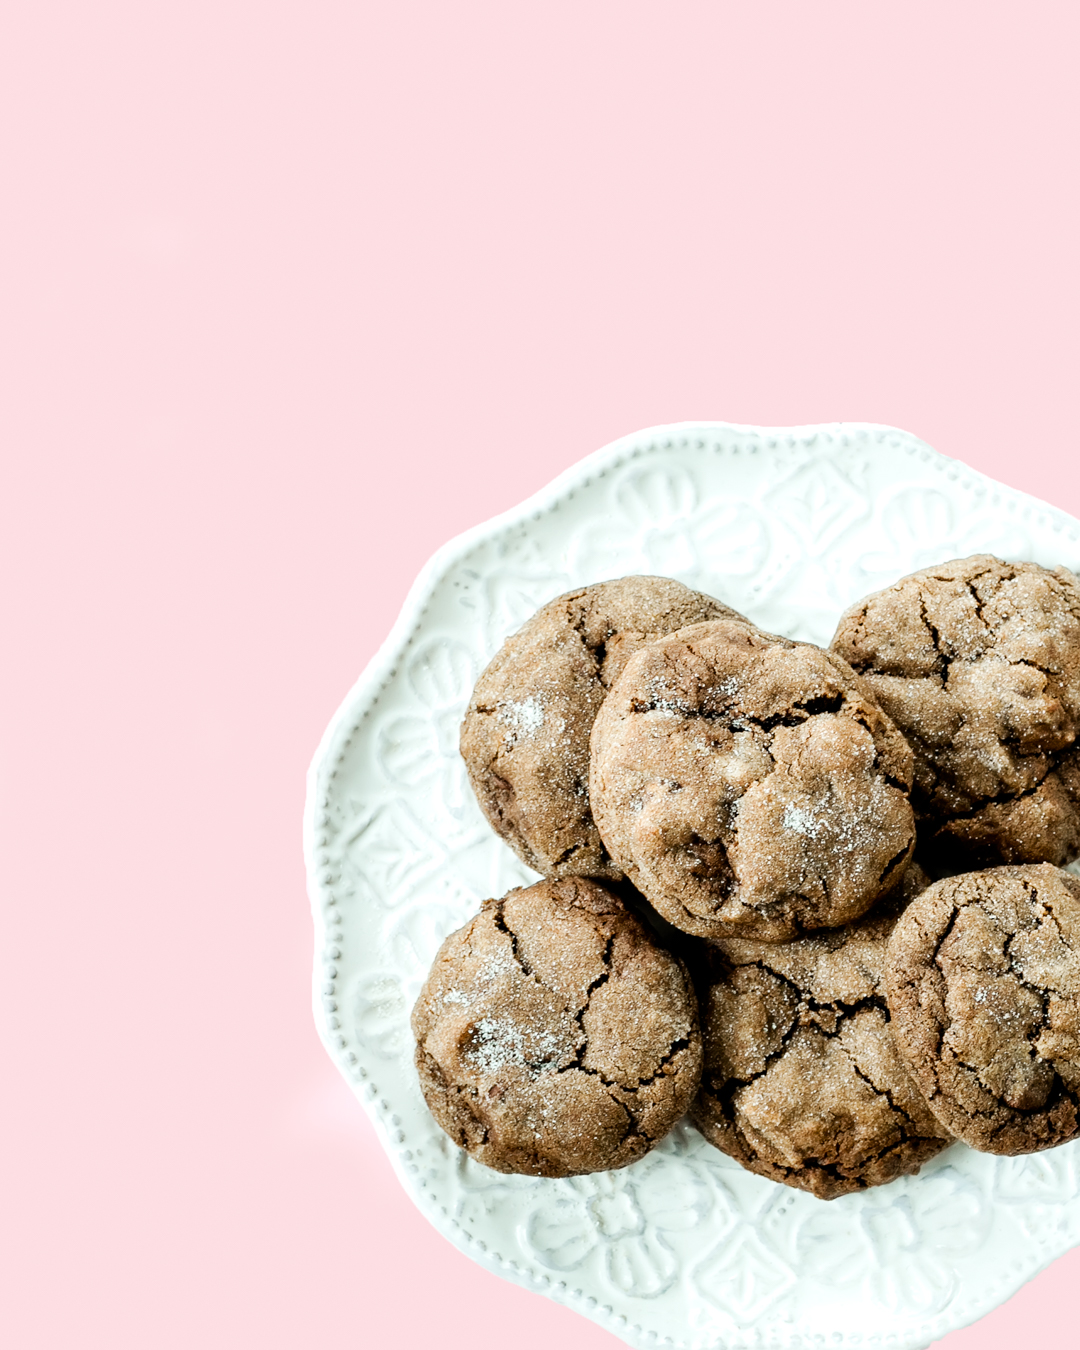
x: 525, y: 737
x: 750, y: 786
x: 554, y: 1036
x: 802, y: 1082
x: 983, y: 982
x: 978, y: 663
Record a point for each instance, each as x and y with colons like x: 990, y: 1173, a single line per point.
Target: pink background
x: 293, y: 292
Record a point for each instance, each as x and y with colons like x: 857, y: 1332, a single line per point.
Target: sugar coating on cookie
x: 983, y: 982
x: 554, y: 1036
x: 802, y: 1082
x: 977, y: 661
x: 749, y: 785
x: 525, y: 737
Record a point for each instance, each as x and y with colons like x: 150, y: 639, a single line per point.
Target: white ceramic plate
x: 684, y: 1248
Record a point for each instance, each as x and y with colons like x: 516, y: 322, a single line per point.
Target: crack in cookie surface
x: 554, y: 1036
x: 983, y: 980
x: 802, y: 1083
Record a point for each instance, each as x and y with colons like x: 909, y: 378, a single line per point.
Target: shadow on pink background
x: 291, y: 294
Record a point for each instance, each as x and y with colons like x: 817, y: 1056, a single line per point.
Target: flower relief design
x: 900, y: 1243
x: 419, y: 750
x: 384, y: 853
x: 743, y: 1278
x: 628, y: 1219
x: 658, y: 526
x: 390, y: 845
x: 1039, y: 1193
x: 380, y: 1014
x: 1048, y: 1178
x: 920, y: 527
x: 819, y: 502
x: 506, y: 583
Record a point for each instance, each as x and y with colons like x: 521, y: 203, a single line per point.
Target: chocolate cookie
x: 978, y: 663
x: 749, y: 786
x: 802, y: 1082
x: 554, y: 1036
x: 525, y: 737
x: 983, y: 982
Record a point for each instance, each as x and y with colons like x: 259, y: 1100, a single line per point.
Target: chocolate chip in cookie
x: 750, y: 786
x: 554, y: 1035
x: 802, y: 1082
x: 983, y: 983
x: 525, y: 737
x: 977, y: 662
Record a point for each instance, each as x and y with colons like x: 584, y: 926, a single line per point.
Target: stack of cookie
x: 728, y: 821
